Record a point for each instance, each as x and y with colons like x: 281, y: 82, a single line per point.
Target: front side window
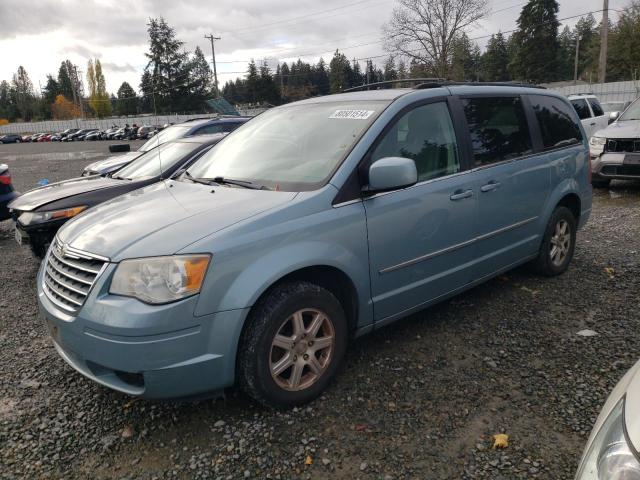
x: 581, y: 107
x: 291, y: 148
x: 156, y: 161
x: 425, y: 135
x: 498, y: 128
x: 595, y: 106
x: 557, y: 122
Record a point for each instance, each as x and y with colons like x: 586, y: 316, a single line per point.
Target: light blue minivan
x: 313, y: 223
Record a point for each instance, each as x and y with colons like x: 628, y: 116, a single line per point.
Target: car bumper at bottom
x: 615, y: 166
x: 178, y: 363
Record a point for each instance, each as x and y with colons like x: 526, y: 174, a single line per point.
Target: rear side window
x: 581, y: 108
x: 558, y: 126
x: 498, y: 128
x: 595, y: 106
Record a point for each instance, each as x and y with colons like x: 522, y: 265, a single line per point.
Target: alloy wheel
x: 560, y: 243
x: 302, y: 349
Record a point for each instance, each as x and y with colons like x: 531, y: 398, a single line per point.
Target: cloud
x: 113, y: 67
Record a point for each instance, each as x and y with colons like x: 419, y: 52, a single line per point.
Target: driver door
x: 421, y: 238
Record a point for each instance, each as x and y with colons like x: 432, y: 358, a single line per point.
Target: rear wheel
x: 293, y: 345
x: 558, y: 243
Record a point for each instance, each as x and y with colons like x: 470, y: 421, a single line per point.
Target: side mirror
x: 391, y: 173
x: 613, y: 116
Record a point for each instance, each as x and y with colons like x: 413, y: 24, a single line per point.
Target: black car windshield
x: 170, y: 133
x: 631, y: 113
x: 156, y: 161
x: 292, y: 148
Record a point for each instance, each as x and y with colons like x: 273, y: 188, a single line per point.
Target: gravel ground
x: 419, y: 399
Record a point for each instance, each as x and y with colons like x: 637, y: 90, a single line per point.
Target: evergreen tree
x: 8, y: 108
x: 462, y: 62
x: 495, y: 61
x: 536, y: 55
x: 624, y: 46
x: 340, y: 73
x: 127, y: 101
x: 390, y: 72
x: 64, y: 80
x: 166, y: 66
x: 50, y: 92
x: 200, y: 81
x: 252, y: 82
x: 23, y: 94
x: 566, y: 52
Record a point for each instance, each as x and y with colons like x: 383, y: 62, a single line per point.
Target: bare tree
x: 424, y: 30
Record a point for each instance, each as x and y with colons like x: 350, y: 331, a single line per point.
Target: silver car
x: 612, y: 449
x: 615, y: 150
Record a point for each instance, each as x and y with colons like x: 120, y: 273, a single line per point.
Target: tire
x: 119, y: 147
x: 546, y: 263
x: 18, y: 141
x: 600, y: 183
x: 277, y: 314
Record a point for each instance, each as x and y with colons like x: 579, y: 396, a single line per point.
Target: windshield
x: 292, y: 148
x: 149, y: 164
x: 631, y: 113
x: 169, y: 133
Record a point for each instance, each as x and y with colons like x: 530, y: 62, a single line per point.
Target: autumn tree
x: 99, y: 100
x: 63, y: 109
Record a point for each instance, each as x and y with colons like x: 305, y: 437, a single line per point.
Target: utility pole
x: 575, y: 63
x: 604, y: 33
x: 213, y: 54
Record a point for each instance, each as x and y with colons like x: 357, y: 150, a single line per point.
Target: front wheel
x: 558, y: 243
x: 293, y: 344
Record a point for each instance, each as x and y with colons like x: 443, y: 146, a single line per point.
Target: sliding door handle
x: 489, y: 187
x: 460, y: 194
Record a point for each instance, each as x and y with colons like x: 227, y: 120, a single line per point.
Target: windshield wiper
x: 239, y: 183
x: 120, y: 178
x: 203, y: 181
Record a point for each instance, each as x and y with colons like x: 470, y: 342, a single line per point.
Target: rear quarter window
x: 581, y: 108
x: 558, y: 124
x: 595, y: 106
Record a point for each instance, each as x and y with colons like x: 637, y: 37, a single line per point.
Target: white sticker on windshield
x: 352, y: 114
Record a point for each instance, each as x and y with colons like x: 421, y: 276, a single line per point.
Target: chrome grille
x: 69, y: 275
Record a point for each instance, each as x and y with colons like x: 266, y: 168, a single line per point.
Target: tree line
x: 175, y: 80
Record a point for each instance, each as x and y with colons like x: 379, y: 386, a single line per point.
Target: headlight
x: 160, y: 279
x: 609, y: 456
x: 32, y: 218
x: 597, y: 141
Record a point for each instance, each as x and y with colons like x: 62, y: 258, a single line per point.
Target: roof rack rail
x: 581, y: 93
x: 198, y: 118
x: 392, y: 82
x: 475, y: 84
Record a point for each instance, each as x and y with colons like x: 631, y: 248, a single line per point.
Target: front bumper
x: 613, y: 166
x: 152, y: 351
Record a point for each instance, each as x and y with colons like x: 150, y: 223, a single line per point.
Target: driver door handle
x: 489, y: 187
x: 460, y: 194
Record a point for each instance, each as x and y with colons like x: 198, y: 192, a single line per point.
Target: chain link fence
x: 103, y: 124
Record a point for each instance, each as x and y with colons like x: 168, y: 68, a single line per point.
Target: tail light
x: 5, y: 177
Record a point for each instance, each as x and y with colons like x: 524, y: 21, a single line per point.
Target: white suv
x: 590, y: 112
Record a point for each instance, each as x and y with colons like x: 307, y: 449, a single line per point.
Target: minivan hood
x: 41, y: 196
x: 164, y: 217
x: 628, y: 129
x: 112, y: 163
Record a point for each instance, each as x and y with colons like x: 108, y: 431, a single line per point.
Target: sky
x: 40, y: 34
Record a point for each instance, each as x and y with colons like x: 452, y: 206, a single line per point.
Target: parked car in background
x: 590, y: 112
x: 78, y: 135
x: 95, y: 135
x: 183, y: 130
x: 198, y: 126
x: 144, y: 131
x: 40, y: 212
x: 315, y: 222
x: 69, y: 131
x: 45, y: 137
x: 619, y: 107
x: 7, y: 193
x: 11, y: 138
x: 56, y: 137
x: 26, y: 138
x: 612, y: 449
x: 615, y: 150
